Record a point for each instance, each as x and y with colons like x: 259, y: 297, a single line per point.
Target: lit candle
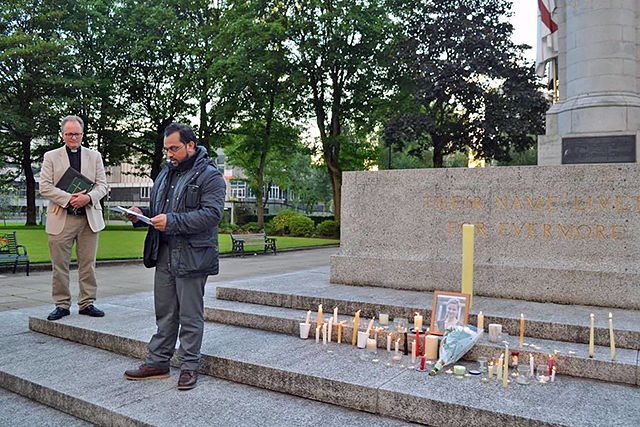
x: 308, y: 317
x: 335, y: 315
x: 417, y: 321
x: 480, y: 322
x: 324, y: 333
x: 356, y: 323
x: 319, y: 315
x: 389, y: 342
x: 521, y: 329
x: 553, y: 374
x: 329, y: 330
x: 531, y: 365
x: 370, y: 325
x: 612, y: 340
x: 413, y: 351
x: 505, y: 373
x: 340, y: 332
x: 317, y: 334
x: 591, y: 336
x: 499, y: 367
x: 550, y: 364
x: 424, y: 345
x: 395, y: 346
x: 467, y: 261
x: 491, y: 369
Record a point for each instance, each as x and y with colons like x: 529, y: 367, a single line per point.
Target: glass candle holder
x: 482, y: 364
x: 523, y: 374
x: 542, y: 373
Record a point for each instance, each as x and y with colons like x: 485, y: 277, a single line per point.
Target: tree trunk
x: 30, y: 181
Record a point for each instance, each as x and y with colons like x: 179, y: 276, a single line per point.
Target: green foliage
x: 328, y: 228
x: 301, y: 226
x: 251, y: 227
x: 462, y: 82
x: 281, y: 223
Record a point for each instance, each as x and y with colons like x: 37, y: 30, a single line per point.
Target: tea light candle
x: 383, y: 318
x: 459, y: 370
x: 591, y: 335
x: 612, y: 340
x: 521, y: 329
x: 319, y: 322
x: 417, y: 321
x: 308, y: 317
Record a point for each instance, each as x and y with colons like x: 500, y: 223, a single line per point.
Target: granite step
x: 336, y: 374
x: 306, y: 290
x: 570, y: 358
x: 96, y: 391
x: 17, y: 410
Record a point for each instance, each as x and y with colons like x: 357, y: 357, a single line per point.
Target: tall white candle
x: 499, y: 367
x: 480, y: 322
x: 612, y: 339
x: 396, y: 345
x: 413, y: 351
x: 505, y: 374
x: 370, y: 325
x: 319, y: 315
x: 531, y: 365
x: 335, y: 315
x: 553, y: 374
x: 318, y: 334
x: 417, y: 321
x: 324, y: 333
x: 389, y: 342
x: 329, y: 330
x: 308, y: 317
x: 591, y: 332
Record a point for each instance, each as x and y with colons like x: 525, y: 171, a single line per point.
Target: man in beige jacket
x: 73, y: 218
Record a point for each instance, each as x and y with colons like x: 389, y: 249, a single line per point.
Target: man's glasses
x: 73, y: 135
x: 173, y: 149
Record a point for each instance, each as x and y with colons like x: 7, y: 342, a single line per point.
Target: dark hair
x: 186, y: 133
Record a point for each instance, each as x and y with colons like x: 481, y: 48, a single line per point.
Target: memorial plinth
x: 569, y: 234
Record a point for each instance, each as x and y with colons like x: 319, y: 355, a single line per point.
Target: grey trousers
x: 179, y: 306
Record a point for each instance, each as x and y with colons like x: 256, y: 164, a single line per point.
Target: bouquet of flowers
x: 456, y: 342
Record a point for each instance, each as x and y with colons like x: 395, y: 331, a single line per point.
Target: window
x: 238, y: 190
x: 144, y: 192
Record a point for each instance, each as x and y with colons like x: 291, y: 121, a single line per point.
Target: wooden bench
x: 11, y: 253
x: 240, y: 241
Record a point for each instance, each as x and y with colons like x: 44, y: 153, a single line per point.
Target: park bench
x: 11, y: 253
x: 241, y: 241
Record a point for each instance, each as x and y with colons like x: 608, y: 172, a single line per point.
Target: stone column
x: 597, y: 119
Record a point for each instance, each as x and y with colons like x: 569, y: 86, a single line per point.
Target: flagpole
x: 554, y: 68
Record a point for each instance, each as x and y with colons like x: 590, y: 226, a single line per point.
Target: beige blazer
x: 54, y: 166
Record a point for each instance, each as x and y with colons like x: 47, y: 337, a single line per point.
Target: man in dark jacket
x: 187, y: 202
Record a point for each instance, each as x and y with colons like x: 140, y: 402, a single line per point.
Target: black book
x: 73, y: 182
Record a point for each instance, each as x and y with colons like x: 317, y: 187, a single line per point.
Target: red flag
x: 547, y: 35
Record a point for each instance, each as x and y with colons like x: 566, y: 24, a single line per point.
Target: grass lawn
x: 126, y: 242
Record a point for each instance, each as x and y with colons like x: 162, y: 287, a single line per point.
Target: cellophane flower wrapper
x: 456, y: 342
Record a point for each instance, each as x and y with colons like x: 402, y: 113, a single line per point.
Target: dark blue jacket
x: 193, y: 215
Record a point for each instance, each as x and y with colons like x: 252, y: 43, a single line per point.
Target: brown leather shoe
x: 146, y: 372
x: 187, y: 379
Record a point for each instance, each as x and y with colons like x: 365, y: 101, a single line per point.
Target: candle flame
x: 417, y: 314
x: 522, y: 315
x: 592, y: 316
x: 610, y: 316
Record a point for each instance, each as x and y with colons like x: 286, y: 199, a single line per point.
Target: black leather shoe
x: 92, y: 311
x: 187, y: 379
x: 58, y: 313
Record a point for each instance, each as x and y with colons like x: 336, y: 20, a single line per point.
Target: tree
x: 258, y: 68
x: 338, y: 48
x: 35, y: 59
x: 462, y: 82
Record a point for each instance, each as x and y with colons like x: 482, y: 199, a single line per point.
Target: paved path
x: 19, y: 291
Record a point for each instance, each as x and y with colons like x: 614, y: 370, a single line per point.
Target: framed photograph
x: 449, y: 309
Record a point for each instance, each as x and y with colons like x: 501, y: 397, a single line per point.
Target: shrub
x: 251, y: 227
x: 280, y: 223
x: 301, y: 226
x: 329, y: 228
